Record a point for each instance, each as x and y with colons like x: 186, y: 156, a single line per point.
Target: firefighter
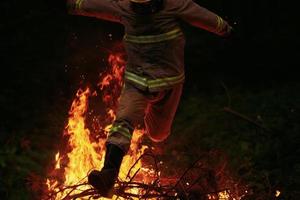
x: 154, y: 75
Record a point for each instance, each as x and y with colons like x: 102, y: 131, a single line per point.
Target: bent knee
x: 158, y: 136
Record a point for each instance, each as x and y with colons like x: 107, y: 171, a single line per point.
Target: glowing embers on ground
x: 223, y: 195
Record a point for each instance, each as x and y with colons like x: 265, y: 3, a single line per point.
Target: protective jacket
x: 154, y: 43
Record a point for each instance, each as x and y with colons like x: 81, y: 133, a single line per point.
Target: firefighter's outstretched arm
x: 102, y: 9
x: 202, y: 18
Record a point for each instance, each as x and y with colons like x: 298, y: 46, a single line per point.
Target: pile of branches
x: 196, y: 182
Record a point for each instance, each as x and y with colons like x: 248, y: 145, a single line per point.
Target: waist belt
x: 153, y: 38
x: 154, y: 84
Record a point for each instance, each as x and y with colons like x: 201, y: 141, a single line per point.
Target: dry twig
x: 154, y: 190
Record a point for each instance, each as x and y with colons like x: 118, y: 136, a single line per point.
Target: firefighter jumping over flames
x: 154, y: 75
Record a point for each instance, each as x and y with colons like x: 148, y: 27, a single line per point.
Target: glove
x: 226, y: 31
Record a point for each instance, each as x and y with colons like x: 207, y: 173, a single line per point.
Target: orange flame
x: 223, y: 195
x: 57, y: 159
x: 85, y: 154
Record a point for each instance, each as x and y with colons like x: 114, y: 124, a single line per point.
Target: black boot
x: 104, y: 180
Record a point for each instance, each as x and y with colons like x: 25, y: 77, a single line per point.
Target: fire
x: 85, y: 153
x: 83, y: 156
x: 223, y: 195
x: 57, y: 159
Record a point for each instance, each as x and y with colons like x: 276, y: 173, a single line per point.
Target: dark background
x: 46, y: 55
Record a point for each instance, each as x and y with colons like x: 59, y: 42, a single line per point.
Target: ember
x: 277, y: 194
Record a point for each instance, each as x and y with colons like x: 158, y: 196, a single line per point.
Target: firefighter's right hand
x: 227, y: 30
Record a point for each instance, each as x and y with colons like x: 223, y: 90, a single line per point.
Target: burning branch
x: 188, y: 183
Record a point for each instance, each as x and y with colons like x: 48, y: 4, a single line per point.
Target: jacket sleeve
x: 202, y: 18
x: 102, y: 9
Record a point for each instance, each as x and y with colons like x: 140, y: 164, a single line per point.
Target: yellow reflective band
x: 78, y: 4
x: 166, y: 82
x: 135, y: 78
x: 220, y: 24
x: 153, y: 38
x: 157, y: 83
x: 124, y: 131
x: 151, y: 82
x: 136, y: 81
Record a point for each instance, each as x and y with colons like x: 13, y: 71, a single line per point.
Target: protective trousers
x: 152, y: 111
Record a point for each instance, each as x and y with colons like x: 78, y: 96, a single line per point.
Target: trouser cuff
x: 120, y: 135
